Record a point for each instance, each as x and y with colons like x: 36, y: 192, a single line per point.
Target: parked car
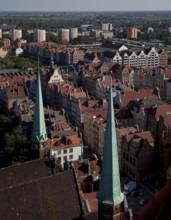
x: 143, y: 202
x: 129, y: 187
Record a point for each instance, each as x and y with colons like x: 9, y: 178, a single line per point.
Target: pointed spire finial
x: 110, y: 190
x: 39, y: 129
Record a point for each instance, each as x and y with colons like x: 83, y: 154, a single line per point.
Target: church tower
x: 39, y: 134
x: 111, y: 202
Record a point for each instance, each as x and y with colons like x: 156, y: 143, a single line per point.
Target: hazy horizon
x: 81, y: 6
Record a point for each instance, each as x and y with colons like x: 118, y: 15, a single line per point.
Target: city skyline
x: 78, y: 5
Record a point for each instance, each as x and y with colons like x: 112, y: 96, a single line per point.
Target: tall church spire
x: 39, y: 135
x: 110, y: 196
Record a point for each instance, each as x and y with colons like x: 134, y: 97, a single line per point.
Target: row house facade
x: 94, y: 129
x: 148, y: 78
x: 145, y: 58
x: 60, y: 53
x: 138, y: 157
x: 158, y: 121
x: 162, y: 81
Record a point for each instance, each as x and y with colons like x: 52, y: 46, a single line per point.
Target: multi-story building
x: 16, y: 34
x: 138, y: 157
x: 73, y: 33
x: 66, y: 149
x: 0, y: 33
x: 133, y: 33
x: 162, y: 81
x: 64, y: 35
x: 163, y: 58
x: 39, y: 35
x: 107, y: 27
x: 94, y: 129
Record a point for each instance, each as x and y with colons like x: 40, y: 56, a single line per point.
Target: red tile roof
x: 134, y: 95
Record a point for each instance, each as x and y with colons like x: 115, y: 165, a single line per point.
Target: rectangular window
x: 65, y: 151
x: 70, y: 150
x: 70, y: 157
x: 65, y: 158
x: 59, y: 152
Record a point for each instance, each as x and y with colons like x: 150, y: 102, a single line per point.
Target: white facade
x: 39, y: 35
x: 133, y: 59
x: 67, y: 154
x: 152, y: 58
x: 107, y: 35
x: 117, y: 58
x: 63, y: 35
x: 56, y: 77
x: 107, y: 27
x: 16, y: 34
x: 18, y: 51
x: 0, y: 33
x: 73, y: 33
x: 141, y: 59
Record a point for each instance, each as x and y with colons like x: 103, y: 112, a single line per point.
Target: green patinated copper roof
x: 109, y: 189
x: 39, y: 129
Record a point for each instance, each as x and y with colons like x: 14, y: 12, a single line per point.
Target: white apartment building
x: 63, y: 35
x: 16, y: 34
x: 73, y: 33
x: 107, y: 26
x: 39, y: 35
x: 0, y: 33
x: 68, y: 153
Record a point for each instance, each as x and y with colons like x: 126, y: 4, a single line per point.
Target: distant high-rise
x: 16, y: 34
x: 39, y: 35
x: 73, y: 33
x: 63, y: 35
x: 133, y: 33
x: 0, y: 33
x: 107, y: 27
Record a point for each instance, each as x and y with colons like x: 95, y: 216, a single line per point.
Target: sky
x: 84, y: 5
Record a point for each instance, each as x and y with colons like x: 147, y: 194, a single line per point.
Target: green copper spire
x: 39, y: 129
x: 109, y: 189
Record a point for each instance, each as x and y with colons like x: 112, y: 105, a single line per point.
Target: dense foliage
x: 12, y: 140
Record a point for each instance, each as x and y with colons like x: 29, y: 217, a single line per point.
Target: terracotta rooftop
x: 134, y: 95
x: 14, y: 92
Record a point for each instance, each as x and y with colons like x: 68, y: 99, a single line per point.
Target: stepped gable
x: 53, y: 197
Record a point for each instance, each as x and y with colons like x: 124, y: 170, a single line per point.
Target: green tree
x: 17, y: 145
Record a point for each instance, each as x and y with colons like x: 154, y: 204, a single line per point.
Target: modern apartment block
x: 16, y: 34
x: 73, y: 33
x: 107, y: 26
x: 63, y: 35
x: 39, y: 35
x: 133, y: 33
